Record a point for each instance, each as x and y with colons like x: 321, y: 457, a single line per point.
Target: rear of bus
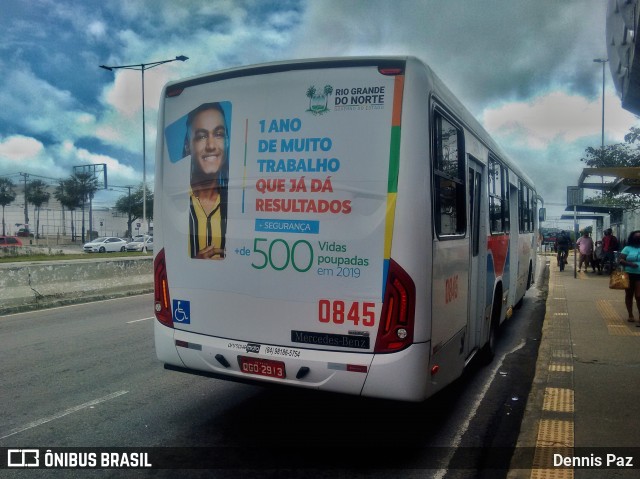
x: 287, y: 276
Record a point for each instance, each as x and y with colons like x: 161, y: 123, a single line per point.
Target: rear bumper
x: 401, y: 375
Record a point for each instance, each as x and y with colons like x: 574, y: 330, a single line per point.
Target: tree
x: 7, y: 195
x: 328, y: 90
x: 85, y: 185
x: 311, y: 92
x: 131, y: 205
x: 625, y: 154
x: 38, y: 195
x: 68, y: 196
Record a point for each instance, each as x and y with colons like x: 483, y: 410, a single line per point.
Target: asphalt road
x: 86, y: 376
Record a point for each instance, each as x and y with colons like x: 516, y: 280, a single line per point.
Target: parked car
x: 6, y: 241
x: 105, y: 244
x: 139, y: 241
x: 24, y: 233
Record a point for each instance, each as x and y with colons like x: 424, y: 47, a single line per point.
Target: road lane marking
x: 66, y: 412
x: 138, y: 320
x: 472, y: 411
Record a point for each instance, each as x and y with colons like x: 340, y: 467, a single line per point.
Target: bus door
x: 476, y: 232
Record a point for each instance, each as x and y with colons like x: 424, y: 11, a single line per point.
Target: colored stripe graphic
x: 394, y: 163
x: 394, y: 167
x: 244, y: 174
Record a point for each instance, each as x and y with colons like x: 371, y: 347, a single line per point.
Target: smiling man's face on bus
x: 208, y: 145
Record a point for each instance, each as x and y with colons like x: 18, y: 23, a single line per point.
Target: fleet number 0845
x: 339, y: 312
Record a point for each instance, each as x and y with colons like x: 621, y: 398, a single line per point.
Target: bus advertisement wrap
x: 300, y: 178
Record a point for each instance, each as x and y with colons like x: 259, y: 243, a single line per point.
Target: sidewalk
x: 586, y: 392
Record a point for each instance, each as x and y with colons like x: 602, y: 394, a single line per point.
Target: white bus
x: 334, y: 224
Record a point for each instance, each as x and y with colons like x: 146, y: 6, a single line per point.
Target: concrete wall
x: 33, y: 285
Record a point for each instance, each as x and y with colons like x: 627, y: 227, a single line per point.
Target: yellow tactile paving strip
x: 558, y: 400
x: 561, y: 368
x: 616, y: 325
x: 555, y: 433
x: 555, y: 427
x: 552, y: 434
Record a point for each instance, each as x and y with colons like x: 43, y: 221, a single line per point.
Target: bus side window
x: 498, y: 197
x: 527, y: 209
x: 449, y: 192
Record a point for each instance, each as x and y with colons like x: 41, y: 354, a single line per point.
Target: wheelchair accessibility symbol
x: 181, y: 311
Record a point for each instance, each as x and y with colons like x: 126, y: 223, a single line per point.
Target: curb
x: 56, y: 301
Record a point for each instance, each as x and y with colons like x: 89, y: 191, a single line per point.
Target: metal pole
x: 144, y: 168
x: 26, y: 210
x: 602, y: 143
x: 603, y: 61
x: 141, y: 67
x: 575, y: 246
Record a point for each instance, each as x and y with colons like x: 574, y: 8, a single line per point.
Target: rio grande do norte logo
x: 319, y: 99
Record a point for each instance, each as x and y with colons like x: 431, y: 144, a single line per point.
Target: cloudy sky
x: 524, y: 68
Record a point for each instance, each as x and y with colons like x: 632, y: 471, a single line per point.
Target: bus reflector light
x: 390, y: 71
x: 356, y: 368
x: 435, y: 369
x: 161, y: 290
x: 174, y: 92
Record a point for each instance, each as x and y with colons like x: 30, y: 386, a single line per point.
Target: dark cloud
x: 486, y: 51
x: 491, y: 53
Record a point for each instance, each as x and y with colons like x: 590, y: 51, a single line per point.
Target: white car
x: 105, y: 244
x: 139, y: 241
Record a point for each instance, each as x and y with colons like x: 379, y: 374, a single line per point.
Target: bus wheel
x: 489, y: 349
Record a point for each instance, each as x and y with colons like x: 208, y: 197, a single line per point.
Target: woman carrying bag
x: 630, y: 259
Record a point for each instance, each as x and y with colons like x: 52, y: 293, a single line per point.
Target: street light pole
x: 141, y: 67
x: 603, y: 61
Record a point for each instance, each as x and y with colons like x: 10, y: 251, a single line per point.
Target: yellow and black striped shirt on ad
x: 204, y: 230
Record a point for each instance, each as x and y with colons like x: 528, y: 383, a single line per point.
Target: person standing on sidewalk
x: 609, y: 246
x: 596, y: 259
x: 585, y: 246
x: 630, y: 259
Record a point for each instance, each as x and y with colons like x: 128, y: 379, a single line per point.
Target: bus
x: 339, y: 224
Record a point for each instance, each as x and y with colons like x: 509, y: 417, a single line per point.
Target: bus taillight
x: 398, y: 310
x: 161, y: 290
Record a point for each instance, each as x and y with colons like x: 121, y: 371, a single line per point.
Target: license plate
x: 262, y: 367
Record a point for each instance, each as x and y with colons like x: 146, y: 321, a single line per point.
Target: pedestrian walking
x: 562, y: 247
x: 585, y: 246
x: 630, y: 260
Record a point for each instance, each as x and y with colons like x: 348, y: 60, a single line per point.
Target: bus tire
x: 489, y: 349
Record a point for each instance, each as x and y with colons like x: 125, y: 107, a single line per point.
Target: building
x: 622, y: 40
x: 55, y: 221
